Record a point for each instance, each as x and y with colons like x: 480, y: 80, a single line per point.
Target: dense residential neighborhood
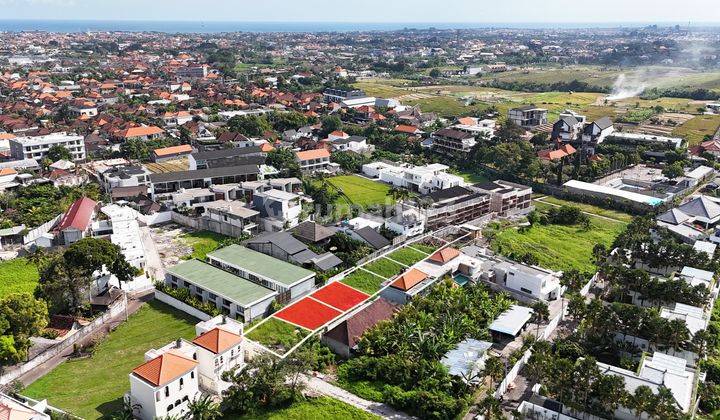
x: 425, y: 223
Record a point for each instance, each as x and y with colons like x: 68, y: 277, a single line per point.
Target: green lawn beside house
x: 17, y: 276
x: 407, y: 256
x: 361, y: 191
x: 384, y: 267
x: 364, y: 281
x: 277, y: 335
x: 94, y: 387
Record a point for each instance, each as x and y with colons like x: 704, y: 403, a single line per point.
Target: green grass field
x: 559, y: 247
x: 277, y: 335
x: 384, y: 267
x: 322, y: 408
x: 361, y: 191
x: 428, y: 249
x: 92, y: 388
x: 589, y: 208
x: 695, y: 130
x: 364, y: 281
x: 471, y: 177
x: 17, y: 276
x: 407, y: 256
x: 202, y: 242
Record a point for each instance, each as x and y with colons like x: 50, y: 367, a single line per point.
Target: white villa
x: 422, y: 179
x: 180, y: 372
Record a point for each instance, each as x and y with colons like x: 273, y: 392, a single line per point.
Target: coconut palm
x: 490, y: 408
x: 494, y: 370
x: 204, y: 408
x: 540, y: 314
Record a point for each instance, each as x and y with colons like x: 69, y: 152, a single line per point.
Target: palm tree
x: 494, y: 369
x: 540, y: 314
x: 204, y: 408
x: 490, y: 408
x: 398, y: 194
x: 127, y: 412
x: 642, y: 400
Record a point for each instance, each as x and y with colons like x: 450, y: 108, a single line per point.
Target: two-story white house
x: 174, y: 375
x: 313, y: 160
x: 537, y: 282
x: 166, y: 383
x: 220, y: 349
x: 278, y: 209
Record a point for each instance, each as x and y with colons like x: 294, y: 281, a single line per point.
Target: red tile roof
x: 410, y: 279
x: 173, y: 150
x: 409, y: 129
x: 78, y: 215
x: 218, y: 340
x: 164, y: 368
x: 444, y: 255
x: 313, y: 154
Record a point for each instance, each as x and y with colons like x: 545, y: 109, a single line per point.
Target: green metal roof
x: 220, y: 282
x: 261, y: 264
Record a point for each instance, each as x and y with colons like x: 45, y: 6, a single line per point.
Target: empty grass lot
x: 361, y: 191
x: 384, y: 267
x: 92, y: 388
x: 202, y: 242
x: 695, y: 130
x: 277, y: 335
x: 407, y: 256
x: 428, y: 249
x: 559, y: 247
x: 364, y: 281
x: 322, y: 408
x: 588, y: 208
x: 17, y: 276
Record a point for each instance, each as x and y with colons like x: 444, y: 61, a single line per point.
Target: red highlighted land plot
x: 308, y: 313
x: 340, y: 296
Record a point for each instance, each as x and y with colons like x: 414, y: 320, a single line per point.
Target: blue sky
x: 467, y: 11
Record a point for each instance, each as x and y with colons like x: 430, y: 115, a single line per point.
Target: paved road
x: 319, y: 386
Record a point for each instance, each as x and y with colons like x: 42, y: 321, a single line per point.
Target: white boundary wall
x: 182, y: 306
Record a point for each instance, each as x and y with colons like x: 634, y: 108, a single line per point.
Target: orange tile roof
x: 407, y: 129
x: 141, y: 131
x: 6, y: 136
x: 313, y: 154
x: 8, y: 171
x: 444, y: 255
x: 266, y: 147
x: 409, y: 280
x: 164, y: 368
x: 466, y: 121
x: 173, y: 150
x: 218, y: 340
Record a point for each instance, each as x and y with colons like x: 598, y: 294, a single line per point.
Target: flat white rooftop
x: 512, y: 321
x: 602, y: 189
